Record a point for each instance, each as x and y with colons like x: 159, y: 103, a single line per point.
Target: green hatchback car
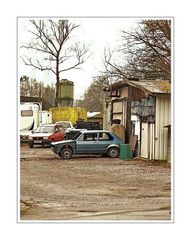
x: 89, y: 142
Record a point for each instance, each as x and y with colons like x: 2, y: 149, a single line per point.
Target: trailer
x: 30, y: 116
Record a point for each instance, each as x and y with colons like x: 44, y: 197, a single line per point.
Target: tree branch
x: 37, y: 66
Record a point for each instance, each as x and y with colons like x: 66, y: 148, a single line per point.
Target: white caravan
x: 32, y: 116
x: 29, y: 117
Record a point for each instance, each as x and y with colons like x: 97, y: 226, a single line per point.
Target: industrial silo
x: 66, y: 93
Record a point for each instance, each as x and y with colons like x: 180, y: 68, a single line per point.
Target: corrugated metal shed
x: 163, y: 118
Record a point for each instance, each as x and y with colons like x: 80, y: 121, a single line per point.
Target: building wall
x: 124, y: 92
x: 119, y: 111
x: 107, y: 115
x: 162, y: 118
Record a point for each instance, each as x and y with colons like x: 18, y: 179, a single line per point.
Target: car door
x: 87, y: 143
x: 58, y: 134
x: 104, y: 140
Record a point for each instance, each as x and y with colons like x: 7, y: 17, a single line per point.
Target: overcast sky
x: 96, y: 32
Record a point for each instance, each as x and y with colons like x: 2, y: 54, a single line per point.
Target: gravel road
x: 92, y: 188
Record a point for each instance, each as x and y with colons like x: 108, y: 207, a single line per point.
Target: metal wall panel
x: 151, y: 142
x: 145, y: 140
x: 163, y: 118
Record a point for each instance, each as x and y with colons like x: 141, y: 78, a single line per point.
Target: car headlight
x: 45, y: 138
x: 30, y: 138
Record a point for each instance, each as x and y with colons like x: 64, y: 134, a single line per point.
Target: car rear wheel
x: 66, y: 153
x: 113, y: 152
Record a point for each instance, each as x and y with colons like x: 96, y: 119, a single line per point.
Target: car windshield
x: 45, y: 129
x: 76, y: 135
x: 66, y: 125
x: 60, y: 126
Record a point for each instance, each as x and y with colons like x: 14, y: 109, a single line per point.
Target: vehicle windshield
x: 45, y: 129
x: 76, y: 135
x: 66, y: 125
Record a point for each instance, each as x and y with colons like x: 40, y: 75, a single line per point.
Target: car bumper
x: 40, y: 142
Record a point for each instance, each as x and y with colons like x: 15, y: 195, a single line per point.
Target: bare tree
x: 112, y: 69
x: 94, y: 96
x: 57, y: 55
x: 146, y: 52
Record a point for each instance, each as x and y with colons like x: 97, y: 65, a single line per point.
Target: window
x: 105, y: 137
x: 66, y: 125
x: 57, y: 129
x: 88, y: 137
x: 26, y: 113
x: 60, y: 126
x: 43, y: 129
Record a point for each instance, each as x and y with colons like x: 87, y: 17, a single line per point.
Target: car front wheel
x: 66, y: 153
x: 113, y: 152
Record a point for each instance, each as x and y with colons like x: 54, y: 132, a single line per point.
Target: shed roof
x: 149, y: 86
x: 153, y: 86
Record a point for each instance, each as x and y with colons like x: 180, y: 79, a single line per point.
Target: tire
x: 66, y: 153
x: 113, y: 152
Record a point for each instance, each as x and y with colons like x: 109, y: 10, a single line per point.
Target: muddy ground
x: 92, y: 188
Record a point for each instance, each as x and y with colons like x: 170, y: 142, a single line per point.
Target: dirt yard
x: 92, y: 188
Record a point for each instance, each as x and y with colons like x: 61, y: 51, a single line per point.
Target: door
x: 145, y: 140
x: 87, y: 143
x: 104, y: 140
x: 58, y: 134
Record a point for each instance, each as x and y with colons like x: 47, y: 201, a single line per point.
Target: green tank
x: 66, y: 93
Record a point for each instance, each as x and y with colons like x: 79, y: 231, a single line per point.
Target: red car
x: 46, y: 134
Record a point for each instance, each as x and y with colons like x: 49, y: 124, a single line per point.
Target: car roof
x: 94, y: 131
x: 63, y: 122
x: 47, y: 125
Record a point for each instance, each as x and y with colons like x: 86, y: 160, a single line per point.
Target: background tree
x: 94, y: 95
x: 55, y: 54
x: 24, y: 86
x: 33, y: 88
x: 146, y: 52
x: 49, y: 94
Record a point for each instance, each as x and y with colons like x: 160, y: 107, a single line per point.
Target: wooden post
x: 128, y: 121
